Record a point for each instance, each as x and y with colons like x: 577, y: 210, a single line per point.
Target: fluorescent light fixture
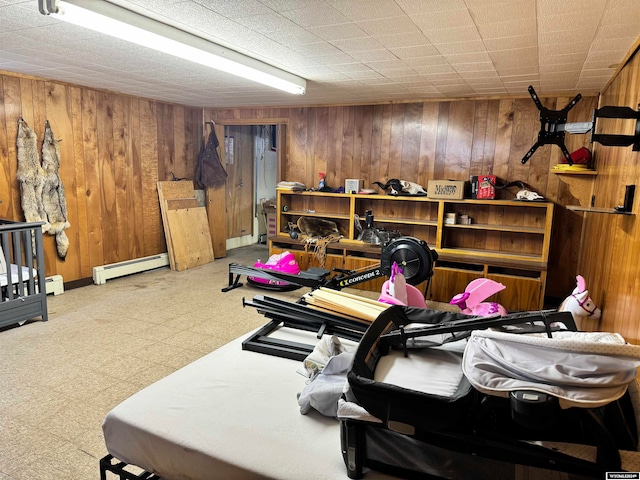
x: 113, y: 20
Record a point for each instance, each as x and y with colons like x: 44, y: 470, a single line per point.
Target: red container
x: 483, y: 187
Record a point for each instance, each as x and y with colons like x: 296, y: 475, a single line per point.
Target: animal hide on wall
x: 53, y: 195
x: 43, y: 195
x: 30, y: 175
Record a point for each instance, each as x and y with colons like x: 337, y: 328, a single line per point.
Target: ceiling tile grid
x: 349, y: 51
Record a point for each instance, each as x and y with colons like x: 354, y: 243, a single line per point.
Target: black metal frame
x: 297, y: 316
x: 553, y: 122
x: 109, y: 464
x: 486, y: 435
x: 550, y: 122
x: 353, y: 440
x: 612, y: 140
x: 313, y: 277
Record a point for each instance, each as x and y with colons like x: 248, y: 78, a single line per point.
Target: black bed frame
x: 109, y: 464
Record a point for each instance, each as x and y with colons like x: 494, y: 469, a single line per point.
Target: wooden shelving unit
x: 592, y: 173
x: 507, y: 241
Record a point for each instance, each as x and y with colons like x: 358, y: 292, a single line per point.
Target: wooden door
x: 216, y: 204
x: 240, y: 168
x: 281, y: 136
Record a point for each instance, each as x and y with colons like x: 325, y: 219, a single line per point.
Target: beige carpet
x: 58, y: 379
x: 102, y: 343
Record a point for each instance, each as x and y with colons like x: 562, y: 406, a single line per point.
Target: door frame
x: 217, y: 200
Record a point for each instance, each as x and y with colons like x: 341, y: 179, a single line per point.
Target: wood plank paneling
x: 109, y: 166
x: 611, y: 243
x: 81, y: 237
x: 118, y: 147
x: 437, y: 140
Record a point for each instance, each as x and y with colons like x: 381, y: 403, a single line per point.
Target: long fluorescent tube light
x: 113, y: 20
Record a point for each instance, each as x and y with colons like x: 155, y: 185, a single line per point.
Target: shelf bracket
x: 625, y: 209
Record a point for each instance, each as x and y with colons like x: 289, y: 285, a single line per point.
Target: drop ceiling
x: 349, y: 51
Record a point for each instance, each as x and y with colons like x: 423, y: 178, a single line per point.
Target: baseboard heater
x: 54, y: 284
x: 120, y: 269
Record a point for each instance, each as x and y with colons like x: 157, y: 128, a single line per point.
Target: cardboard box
x: 353, y: 185
x: 483, y: 187
x: 269, y: 212
x: 451, y: 218
x: 446, y: 189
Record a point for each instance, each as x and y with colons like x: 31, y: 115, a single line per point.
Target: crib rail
x: 23, y: 285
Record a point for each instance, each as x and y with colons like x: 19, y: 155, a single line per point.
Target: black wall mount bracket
x: 554, y: 126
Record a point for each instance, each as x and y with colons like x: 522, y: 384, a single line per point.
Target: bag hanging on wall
x: 209, y: 170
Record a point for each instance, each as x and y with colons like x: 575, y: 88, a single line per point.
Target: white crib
x: 22, y: 275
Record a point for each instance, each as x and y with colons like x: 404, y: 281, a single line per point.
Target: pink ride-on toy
x: 472, y: 300
x: 396, y: 291
x: 284, y: 262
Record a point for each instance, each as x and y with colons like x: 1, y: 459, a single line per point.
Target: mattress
x: 434, y: 371
x: 230, y: 414
x: 14, y: 275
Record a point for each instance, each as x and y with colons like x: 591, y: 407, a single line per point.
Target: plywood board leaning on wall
x: 186, y: 226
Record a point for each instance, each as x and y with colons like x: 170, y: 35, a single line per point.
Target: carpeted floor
x: 58, y: 379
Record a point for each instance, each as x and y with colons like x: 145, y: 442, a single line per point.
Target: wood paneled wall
x: 609, y: 257
x: 437, y: 140
x: 114, y: 148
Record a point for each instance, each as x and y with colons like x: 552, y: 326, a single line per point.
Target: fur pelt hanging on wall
x: 43, y: 196
x: 30, y: 175
x: 53, y: 195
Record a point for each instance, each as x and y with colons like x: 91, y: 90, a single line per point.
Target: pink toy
x: 284, y: 262
x: 396, y: 291
x: 472, y: 300
x: 580, y: 304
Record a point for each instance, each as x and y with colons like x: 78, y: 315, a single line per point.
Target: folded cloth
x: 326, y: 348
x: 325, y: 389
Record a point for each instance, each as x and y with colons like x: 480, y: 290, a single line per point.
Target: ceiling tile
x: 338, y: 32
x: 507, y: 29
x: 349, y: 50
x: 375, y: 9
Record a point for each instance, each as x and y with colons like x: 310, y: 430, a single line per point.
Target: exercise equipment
x: 411, y: 254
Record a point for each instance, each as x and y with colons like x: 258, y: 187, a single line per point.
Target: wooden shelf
x: 612, y: 211
x: 496, y: 228
x: 404, y: 221
x: 397, y: 198
x: 508, y: 239
x: 484, y: 257
x: 496, y: 203
x: 301, y: 213
x: 343, y: 244
x: 592, y: 173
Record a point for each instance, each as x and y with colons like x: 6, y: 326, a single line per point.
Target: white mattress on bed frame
x: 230, y: 414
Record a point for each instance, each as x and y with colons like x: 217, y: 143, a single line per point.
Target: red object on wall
x: 483, y: 187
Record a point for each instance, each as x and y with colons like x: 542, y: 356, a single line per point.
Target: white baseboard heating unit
x: 120, y: 269
x: 54, y: 284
